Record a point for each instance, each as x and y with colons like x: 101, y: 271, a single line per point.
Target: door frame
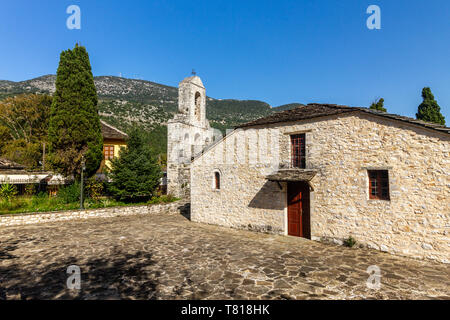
x: 306, y: 219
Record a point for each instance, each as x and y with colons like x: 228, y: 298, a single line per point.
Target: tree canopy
x: 429, y: 110
x: 23, y: 128
x: 378, y: 105
x: 135, y: 174
x: 74, y: 128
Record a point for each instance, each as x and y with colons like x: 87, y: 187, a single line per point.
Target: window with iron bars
x: 298, y: 151
x: 379, y: 184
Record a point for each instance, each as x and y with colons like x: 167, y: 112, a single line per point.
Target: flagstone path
x: 168, y: 257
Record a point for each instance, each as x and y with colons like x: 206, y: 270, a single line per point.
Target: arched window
x: 217, y: 180
x: 198, y: 101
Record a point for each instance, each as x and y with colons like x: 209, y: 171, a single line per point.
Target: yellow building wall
x: 117, y: 145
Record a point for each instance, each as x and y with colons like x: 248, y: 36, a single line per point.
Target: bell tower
x: 192, y: 101
x: 188, y: 134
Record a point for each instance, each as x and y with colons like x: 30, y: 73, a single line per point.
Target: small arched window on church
x: 216, y: 180
x: 198, y: 101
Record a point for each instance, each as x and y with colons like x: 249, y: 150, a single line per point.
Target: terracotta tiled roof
x: 109, y: 132
x: 315, y: 110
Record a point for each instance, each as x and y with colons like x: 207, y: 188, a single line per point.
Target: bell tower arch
x: 190, y: 122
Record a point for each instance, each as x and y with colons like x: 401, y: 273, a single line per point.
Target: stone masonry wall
x: 43, y: 217
x: 415, y: 222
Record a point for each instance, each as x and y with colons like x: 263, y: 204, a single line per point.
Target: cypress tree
x: 135, y: 174
x: 378, y: 105
x: 429, y: 110
x: 74, y: 126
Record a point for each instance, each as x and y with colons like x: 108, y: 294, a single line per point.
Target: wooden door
x: 298, y: 210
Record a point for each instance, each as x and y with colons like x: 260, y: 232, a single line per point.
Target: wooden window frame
x: 107, y: 151
x: 298, y: 150
x: 379, y: 185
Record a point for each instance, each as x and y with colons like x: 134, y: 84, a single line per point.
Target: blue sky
x: 276, y: 51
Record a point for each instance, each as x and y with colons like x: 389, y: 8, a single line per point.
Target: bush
x: 30, y: 189
x: 11, y: 206
x: 94, y: 188
x: 8, y: 192
x: 162, y: 199
x: 349, y: 242
x: 39, y: 200
x: 43, y: 203
x: 70, y: 193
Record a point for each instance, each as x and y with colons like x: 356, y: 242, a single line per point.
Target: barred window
x: 298, y: 151
x: 108, y: 152
x: 379, y: 184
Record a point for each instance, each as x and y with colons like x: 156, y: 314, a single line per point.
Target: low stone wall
x: 179, y: 207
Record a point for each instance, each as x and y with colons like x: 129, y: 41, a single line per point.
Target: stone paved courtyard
x: 168, y: 257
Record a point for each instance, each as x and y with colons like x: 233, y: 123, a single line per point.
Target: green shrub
x: 43, y: 202
x: 162, y: 199
x: 135, y: 174
x: 39, y: 199
x: 70, y: 193
x: 8, y: 192
x: 349, y: 242
x: 94, y: 188
x: 11, y: 206
x: 30, y: 189
x: 39, y: 202
x: 168, y: 198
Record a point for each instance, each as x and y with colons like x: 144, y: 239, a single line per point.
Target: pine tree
x: 429, y: 110
x: 135, y: 174
x: 378, y: 105
x: 74, y: 127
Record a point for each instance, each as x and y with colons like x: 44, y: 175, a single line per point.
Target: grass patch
x: 45, y: 203
x: 349, y: 242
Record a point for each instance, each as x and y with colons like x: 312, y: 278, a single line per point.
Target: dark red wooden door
x: 298, y: 210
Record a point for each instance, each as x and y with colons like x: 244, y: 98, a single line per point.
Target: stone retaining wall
x: 43, y: 217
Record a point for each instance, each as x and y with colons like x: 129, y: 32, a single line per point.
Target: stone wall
x: 415, y: 222
x: 43, y: 217
x: 188, y: 133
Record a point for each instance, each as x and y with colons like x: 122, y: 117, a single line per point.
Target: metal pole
x: 82, y: 181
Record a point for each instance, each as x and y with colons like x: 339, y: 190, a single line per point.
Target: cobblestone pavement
x: 168, y: 257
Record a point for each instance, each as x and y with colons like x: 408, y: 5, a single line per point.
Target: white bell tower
x: 188, y: 134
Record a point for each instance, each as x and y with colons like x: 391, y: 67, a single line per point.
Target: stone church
x: 322, y: 172
x: 188, y: 133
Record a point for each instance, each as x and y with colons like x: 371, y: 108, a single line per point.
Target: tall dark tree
x: 74, y: 128
x: 429, y: 110
x: 135, y: 174
x: 378, y: 105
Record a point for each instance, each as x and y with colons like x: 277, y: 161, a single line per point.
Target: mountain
x: 124, y: 102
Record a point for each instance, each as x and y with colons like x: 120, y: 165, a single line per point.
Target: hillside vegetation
x: 127, y: 102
